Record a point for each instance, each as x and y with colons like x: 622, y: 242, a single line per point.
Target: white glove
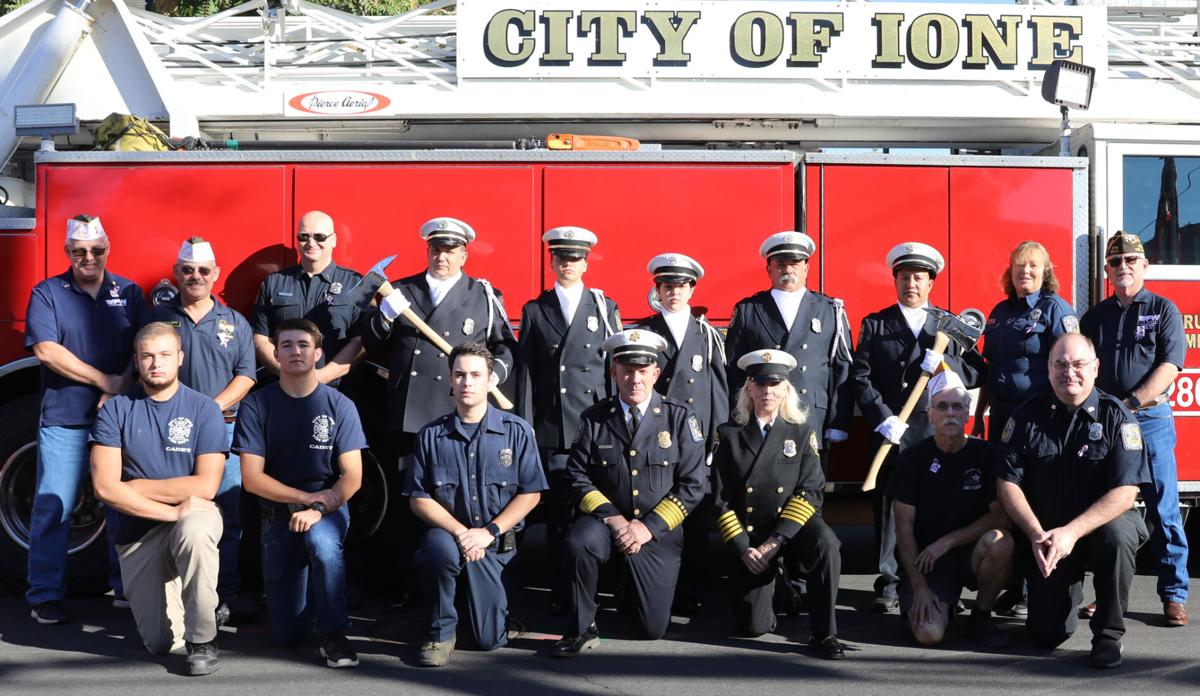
x: 892, y: 429
x: 394, y: 305
x: 932, y: 360
x: 835, y: 435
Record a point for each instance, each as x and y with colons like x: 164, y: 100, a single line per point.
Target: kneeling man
x: 950, y: 529
x: 475, y: 475
x: 158, y: 453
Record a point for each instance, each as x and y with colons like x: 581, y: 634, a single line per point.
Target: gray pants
x: 171, y: 579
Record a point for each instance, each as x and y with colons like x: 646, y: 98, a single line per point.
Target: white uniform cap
x: 675, y: 268
x: 767, y: 365
x: 791, y: 244
x: 570, y: 241
x: 944, y: 379
x: 84, y: 228
x: 635, y: 346
x: 447, y: 230
x: 916, y: 254
x: 200, y: 252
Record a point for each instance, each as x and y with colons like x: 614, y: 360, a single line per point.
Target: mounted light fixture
x: 1069, y: 86
x: 45, y: 121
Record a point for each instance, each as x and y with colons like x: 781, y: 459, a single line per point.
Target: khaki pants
x: 171, y: 579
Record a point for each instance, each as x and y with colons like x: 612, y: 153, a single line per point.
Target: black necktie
x: 766, y: 430
x: 635, y: 418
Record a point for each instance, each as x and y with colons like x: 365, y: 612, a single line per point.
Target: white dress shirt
x: 677, y: 322
x: 915, y: 316
x: 788, y: 304
x: 439, y: 288
x: 568, y: 300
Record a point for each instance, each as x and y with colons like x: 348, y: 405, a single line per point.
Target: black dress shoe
x: 828, y: 648
x: 570, y: 646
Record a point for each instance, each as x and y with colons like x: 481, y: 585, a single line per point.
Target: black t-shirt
x: 949, y: 491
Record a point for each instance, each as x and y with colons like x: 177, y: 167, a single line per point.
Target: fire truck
x: 862, y: 124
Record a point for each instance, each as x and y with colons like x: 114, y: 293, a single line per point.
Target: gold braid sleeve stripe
x: 729, y: 526
x: 672, y: 511
x: 592, y: 501
x: 798, y: 510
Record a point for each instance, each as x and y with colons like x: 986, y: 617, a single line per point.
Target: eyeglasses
x: 1077, y: 366
x: 189, y: 270
x: 317, y: 237
x: 943, y: 406
x: 81, y: 254
x: 1116, y: 261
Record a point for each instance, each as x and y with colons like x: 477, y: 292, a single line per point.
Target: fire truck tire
x: 369, y: 505
x: 87, y: 562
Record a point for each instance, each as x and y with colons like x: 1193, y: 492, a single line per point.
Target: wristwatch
x: 319, y: 507
x: 493, y: 529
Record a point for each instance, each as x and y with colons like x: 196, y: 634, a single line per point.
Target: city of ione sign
x: 777, y: 40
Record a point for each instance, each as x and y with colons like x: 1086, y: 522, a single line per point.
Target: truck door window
x: 1162, y: 206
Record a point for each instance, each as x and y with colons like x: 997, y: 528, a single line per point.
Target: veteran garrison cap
x: 198, y: 252
x: 571, y: 242
x: 944, y: 379
x: 788, y: 245
x: 767, y: 365
x: 1123, y: 243
x: 85, y: 228
x: 635, y: 346
x: 675, y: 268
x: 917, y: 255
x: 447, y: 230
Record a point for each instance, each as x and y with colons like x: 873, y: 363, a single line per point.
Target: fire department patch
x: 664, y: 439
x: 1131, y: 437
x: 1009, y: 428
x: 694, y: 427
x: 972, y: 480
x: 697, y: 363
x: 179, y: 430
x: 812, y: 442
x: 469, y: 326
x: 1070, y: 324
x: 506, y: 457
x: 789, y: 448
x: 224, y: 332
x: 322, y: 428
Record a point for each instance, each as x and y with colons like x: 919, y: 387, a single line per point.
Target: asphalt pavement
x: 100, y: 653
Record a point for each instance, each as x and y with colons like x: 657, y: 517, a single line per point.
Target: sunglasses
x: 1116, y: 261
x: 81, y: 254
x: 189, y: 270
x: 943, y: 406
x: 317, y: 237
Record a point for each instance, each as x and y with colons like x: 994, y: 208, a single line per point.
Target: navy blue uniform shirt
x: 1133, y: 340
x: 215, y: 350
x: 97, y: 331
x: 158, y: 440
x: 1066, y: 460
x: 475, y: 472
x: 292, y: 293
x: 949, y: 491
x: 1016, y: 345
x: 301, y: 438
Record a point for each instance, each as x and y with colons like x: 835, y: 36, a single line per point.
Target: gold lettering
x: 1052, y: 37
x: 495, y: 38
x: 609, y: 27
x: 769, y: 29
x: 1191, y: 321
x: 811, y: 34
x: 926, y: 52
x: 988, y: 42
x: 670, y: 29
x: 887, y: 40
x: 555, y: 51
x: 1193, y: 341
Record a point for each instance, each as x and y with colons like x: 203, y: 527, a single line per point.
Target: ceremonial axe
x: 376, y: 282
x: 964, y: 329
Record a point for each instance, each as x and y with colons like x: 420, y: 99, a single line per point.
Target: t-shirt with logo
x: 949, y: 491
x: 301, y: 438
x: 158, y: 440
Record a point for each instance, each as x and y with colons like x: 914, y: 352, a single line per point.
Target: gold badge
x: 1131, y: 437
x: 664, y: 439
x: 766, y: 356
x: 812, y: 442
x: 635, y: 337
x: 469, y: 326
x: 1009, y: 428
x: 789, y: 448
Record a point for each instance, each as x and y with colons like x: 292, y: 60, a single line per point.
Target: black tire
x: 87, y: 560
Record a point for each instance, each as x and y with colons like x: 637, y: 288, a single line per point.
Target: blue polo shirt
x: 1017, y: 340
x: 301, y: 438
x: 98, y: 331
x: 475, y: 472
x: 216, y: 349
x: 158, y: 440
x: 1133, y: 340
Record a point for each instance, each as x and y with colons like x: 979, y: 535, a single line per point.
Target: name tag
x: 604, y: 446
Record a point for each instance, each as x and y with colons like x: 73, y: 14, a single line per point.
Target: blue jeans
x: 229, y: 499
x: 63, y: 464
x: 441, y: 566
x: 304, y: 574
x: 1168, y: 543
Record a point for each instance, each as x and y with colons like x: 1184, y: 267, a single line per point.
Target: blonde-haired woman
x: 768, y: 493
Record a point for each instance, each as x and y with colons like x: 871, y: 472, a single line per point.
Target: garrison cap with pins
x: 85, y: 228
x: 447, y: 230
x: 635, y: 346
x: 569, y: 241
x: 787, y: 245
x: 1123, y: 243
x: 200, y: 252
x: 944, y: 379
x: 675, y: 268
x: 767, y: 365
x: 917, y: 255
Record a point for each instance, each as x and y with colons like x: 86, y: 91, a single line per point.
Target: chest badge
x: 935, y: 466
x: 697, y: 363
x: 224, y: 332
x: 664, y: 439
x: 335, y: 289
x: 1095, y: 432
x: 506, y: 457
x: 593, y: 324
x: 816, y: 325
x: 114, y: 291
x: 469, y: 326
x: 789, y: 448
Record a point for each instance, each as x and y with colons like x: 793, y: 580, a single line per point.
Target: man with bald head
x: 1068, y: 470
x: 315, y: 290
